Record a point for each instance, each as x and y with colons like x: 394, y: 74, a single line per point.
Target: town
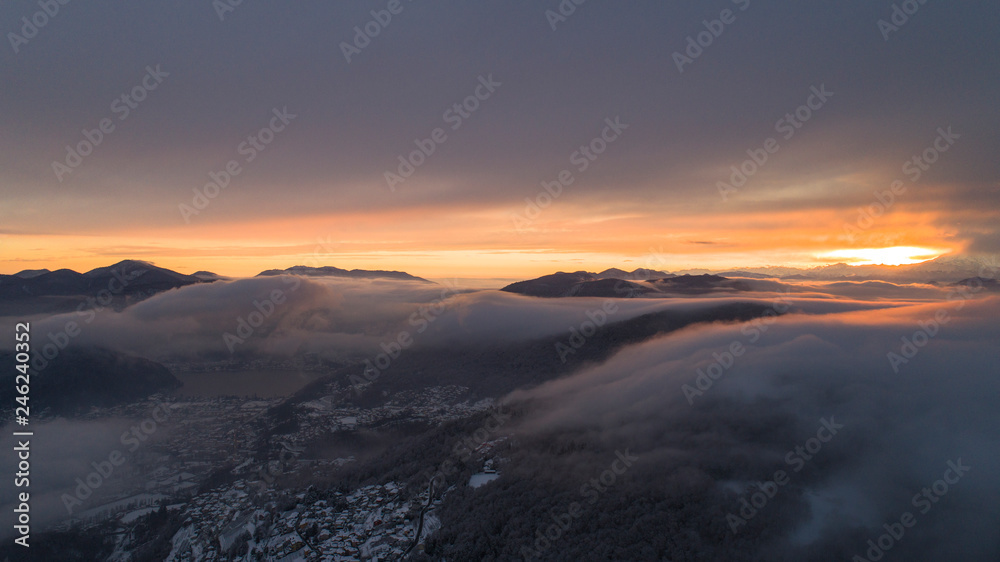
x: 239, y: 490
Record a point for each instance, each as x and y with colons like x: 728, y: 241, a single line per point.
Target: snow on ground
x: 123, y: 504
x: 431, y: 524
x: 181, y: 542
x: 132, y: 516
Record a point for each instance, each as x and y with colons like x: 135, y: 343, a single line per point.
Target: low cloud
x: 900, y: 427
x: 347, y: 319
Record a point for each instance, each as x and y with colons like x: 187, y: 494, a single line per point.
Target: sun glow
x: 897, y: 255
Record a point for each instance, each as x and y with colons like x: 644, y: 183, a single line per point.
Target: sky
x: 310, y: 117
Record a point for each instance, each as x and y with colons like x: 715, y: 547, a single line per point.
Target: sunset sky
x: 317, y: 194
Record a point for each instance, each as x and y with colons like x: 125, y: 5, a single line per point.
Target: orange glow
x: 898, y: 255
x: 485, y: 242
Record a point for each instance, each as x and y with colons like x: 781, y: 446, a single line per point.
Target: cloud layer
x: 900, y: 428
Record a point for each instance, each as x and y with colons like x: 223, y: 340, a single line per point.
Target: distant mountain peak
x: 127, y: 277
x: 207, y: 275
x: 330, y: 271
x: 29, y: 273
x: 124, y: 266
x: 639, y: 274
x: 608, y: 284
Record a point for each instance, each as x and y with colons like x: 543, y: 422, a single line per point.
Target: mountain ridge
x: 127, y: 277
x: 331, y: 271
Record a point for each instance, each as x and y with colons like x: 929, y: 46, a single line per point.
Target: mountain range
x: 133, y: 277
x: 329, y: 271
x: 945, y: 269
x: 123, y: 278
x: 131, y: 280
x: 585, y: 284
x: 80, y: 378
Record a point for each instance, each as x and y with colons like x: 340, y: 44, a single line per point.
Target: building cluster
x: 240, y: 522
x: 209, y: 462
x: 432, y: 405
